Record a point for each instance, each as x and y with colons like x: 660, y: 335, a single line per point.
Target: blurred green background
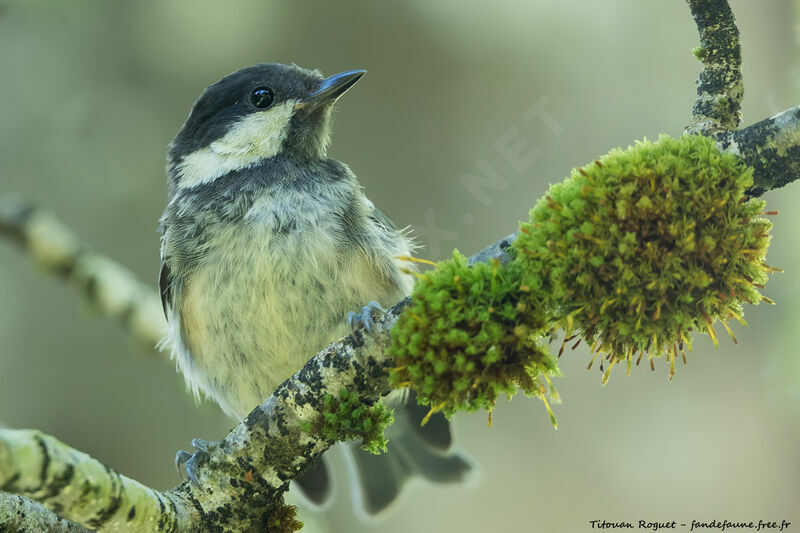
x: 92, y: 92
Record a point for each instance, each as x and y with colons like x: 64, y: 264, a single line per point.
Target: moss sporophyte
x: 631, y: 253
x: 640, y: 248
x: 470, y: 335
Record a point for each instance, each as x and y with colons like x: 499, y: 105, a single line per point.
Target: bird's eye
x: 262, y: 97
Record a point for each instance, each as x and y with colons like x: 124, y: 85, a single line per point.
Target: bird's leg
x: 191, y: 461
x: 364, y: 318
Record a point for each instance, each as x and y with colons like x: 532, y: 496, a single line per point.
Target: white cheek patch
x: 256, y: 137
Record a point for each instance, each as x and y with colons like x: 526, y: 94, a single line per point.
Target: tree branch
x: 80, y: 488
x: 111, y: 289
x: 719, y: 86
x: 771, y: 147
x: 252, y: 466
x: 21, y: 514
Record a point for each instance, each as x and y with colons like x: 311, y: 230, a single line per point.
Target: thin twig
x: 719, y: 86
x: 110, y: 288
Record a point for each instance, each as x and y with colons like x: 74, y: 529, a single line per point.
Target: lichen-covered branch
x: 109, y: 287
x: 719, y: 86
x: 246, y: 474
x: 81, y: 489
x: 21, y: 514
x: 771, y: 147
x: 258, y: 458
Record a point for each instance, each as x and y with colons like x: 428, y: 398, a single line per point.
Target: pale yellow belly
x: 253, y: 316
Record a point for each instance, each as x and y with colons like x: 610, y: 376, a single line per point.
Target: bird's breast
x: 272, y: 290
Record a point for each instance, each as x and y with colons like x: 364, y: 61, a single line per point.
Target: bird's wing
x: 383, y: 219
x: 164, y: 285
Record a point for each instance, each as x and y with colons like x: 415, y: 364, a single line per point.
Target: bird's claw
x: 192, y: 461
x: 364, y: 318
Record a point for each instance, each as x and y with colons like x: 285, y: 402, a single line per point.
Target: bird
x: 267, y: 245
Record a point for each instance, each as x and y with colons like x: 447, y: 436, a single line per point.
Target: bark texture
x: 719, y: 86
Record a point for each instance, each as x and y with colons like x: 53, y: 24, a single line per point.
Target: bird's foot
x: 191, y: 461
x: 364, y: 318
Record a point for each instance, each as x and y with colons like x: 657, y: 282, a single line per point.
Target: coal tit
x: 266, y: 245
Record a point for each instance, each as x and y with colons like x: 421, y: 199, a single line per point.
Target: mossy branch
x: 640, y: 248
x: 251, y: 468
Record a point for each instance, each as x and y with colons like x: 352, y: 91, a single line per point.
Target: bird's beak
x: 330, y: 89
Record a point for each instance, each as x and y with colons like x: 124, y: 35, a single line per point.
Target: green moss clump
x: 469, y: 335
x: 282, y: 518
x: 700, y: 53
x: 640, y: 248
x: 348, y: 417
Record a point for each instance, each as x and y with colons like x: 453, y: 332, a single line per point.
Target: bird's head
x: 256, y: 113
